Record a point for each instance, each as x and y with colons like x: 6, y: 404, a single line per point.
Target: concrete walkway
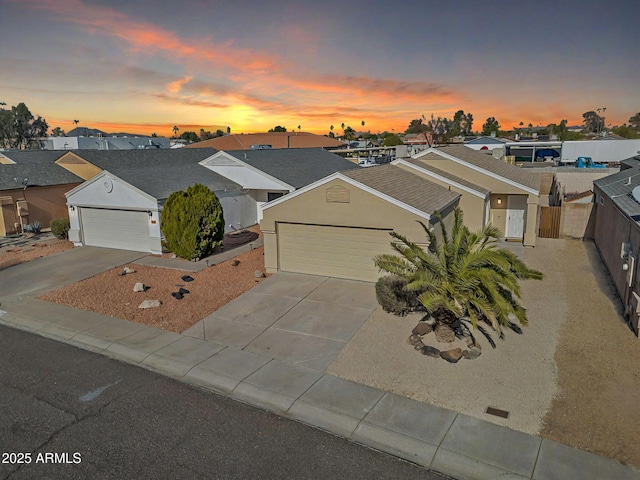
x: 440, y: 439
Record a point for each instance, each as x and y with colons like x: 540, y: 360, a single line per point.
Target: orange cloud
x: 176, y: 86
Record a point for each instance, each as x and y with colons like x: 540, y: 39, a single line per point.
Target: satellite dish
x: 635, y: 193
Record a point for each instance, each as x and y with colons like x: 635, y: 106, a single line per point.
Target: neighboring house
x: 485, y: 143
x: 104, y: 143
x: 493, y: 191
x: 253, y: 141
x: 361, y: 144
x: 335, y: 226
x: 617, y: 235
x: 269, y: 174
x: 120, y: 204
x: 32, y: 188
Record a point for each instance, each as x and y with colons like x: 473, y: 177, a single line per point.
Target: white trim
x: 441, y: 178
x: 222, y: 153
x: 355, y: 183
x: 99, y: 176
x: 477, y: 169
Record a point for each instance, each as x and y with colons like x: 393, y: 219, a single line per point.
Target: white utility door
x: 516, y: 208
x: 124, y: 229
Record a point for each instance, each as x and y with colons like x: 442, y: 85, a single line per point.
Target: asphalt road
x: 75, y: 414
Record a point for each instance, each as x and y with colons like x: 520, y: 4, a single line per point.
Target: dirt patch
x: 111, y: 293
x: 598, y: 360
x: 14, y: 255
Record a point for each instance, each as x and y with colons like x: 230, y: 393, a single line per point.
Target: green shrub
x: 192, y: 222
x: 35, y: 227
x: 60, y: 228
x: 393, y: 296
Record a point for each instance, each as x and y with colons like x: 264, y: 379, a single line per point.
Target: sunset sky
x: 143, y: 66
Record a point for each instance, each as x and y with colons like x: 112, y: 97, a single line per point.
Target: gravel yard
x: 111, y: 293
x: 573, y: 376
x: 35, y: 247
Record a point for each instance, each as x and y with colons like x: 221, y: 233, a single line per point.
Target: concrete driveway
x: 301, y: 319
x: 49, y: 273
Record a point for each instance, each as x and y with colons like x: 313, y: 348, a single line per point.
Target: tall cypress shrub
x: 192, y: 222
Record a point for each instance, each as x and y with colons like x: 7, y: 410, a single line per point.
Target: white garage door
x: 342, y: 252
x: 124, y: 229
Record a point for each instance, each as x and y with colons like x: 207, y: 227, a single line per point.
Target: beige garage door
x: 342, y: 252
x: 124, y: 229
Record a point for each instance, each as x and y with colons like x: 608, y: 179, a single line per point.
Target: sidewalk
x: 439, y: 439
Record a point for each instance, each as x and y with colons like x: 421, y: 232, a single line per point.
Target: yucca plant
x: 462, y: 280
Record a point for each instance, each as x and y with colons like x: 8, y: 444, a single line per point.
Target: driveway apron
x: 50, y: 273
x: 301, y: 319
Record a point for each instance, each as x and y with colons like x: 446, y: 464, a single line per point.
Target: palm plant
x: 463, y: 279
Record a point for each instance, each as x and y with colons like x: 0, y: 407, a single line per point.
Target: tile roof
x: 297, y: 167
x: 618, y: 188
x: 490, y: 164
x: 405, y: 187
x: 448, y: 176
x: 38, y: 166
x: 160, y: 172
x: 277, y: 140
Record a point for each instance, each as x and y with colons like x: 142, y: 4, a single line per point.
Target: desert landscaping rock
x: 128, y: 270
x: 430, y: 351
x: 187, y: 278
x: 452, y: 356
x: 472, y: 353
x: 258, y: 274
x: 139, y: 287
x: 415, y: 341
x: 183, y: 291
x: 423, y: 328
x: 177, y: 295
x: 235, y: 263
x: 149, y: 304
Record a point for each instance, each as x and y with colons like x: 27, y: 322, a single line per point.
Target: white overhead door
x: 343, y: 252
x: 124, y: 229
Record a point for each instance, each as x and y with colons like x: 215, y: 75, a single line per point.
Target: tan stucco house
x: 491, y: 190
x: 32, y: 188
x: 336, y: 225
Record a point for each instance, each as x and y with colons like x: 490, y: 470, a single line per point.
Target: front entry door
x: 516, y: 208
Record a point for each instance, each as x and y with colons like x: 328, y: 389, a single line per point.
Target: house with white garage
x: 336, y: 225
x: 492, y: 191
x: 269, y: 174
x: 119, y: 206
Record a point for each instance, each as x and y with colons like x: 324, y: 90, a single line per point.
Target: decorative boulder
x: 139, y: 287
x: 422, y: 328
x: 150, y: 304
x: 452, y: 356
x: 235, y: 263
x: 430, y: 351
x: 472, y: 353
x: 258, y: 274
x: 415, y: 341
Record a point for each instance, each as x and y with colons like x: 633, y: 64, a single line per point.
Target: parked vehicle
x: 587, y: 162
x: 367, y: 162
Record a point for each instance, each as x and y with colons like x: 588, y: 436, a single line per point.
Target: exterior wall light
x: 499, y: 201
